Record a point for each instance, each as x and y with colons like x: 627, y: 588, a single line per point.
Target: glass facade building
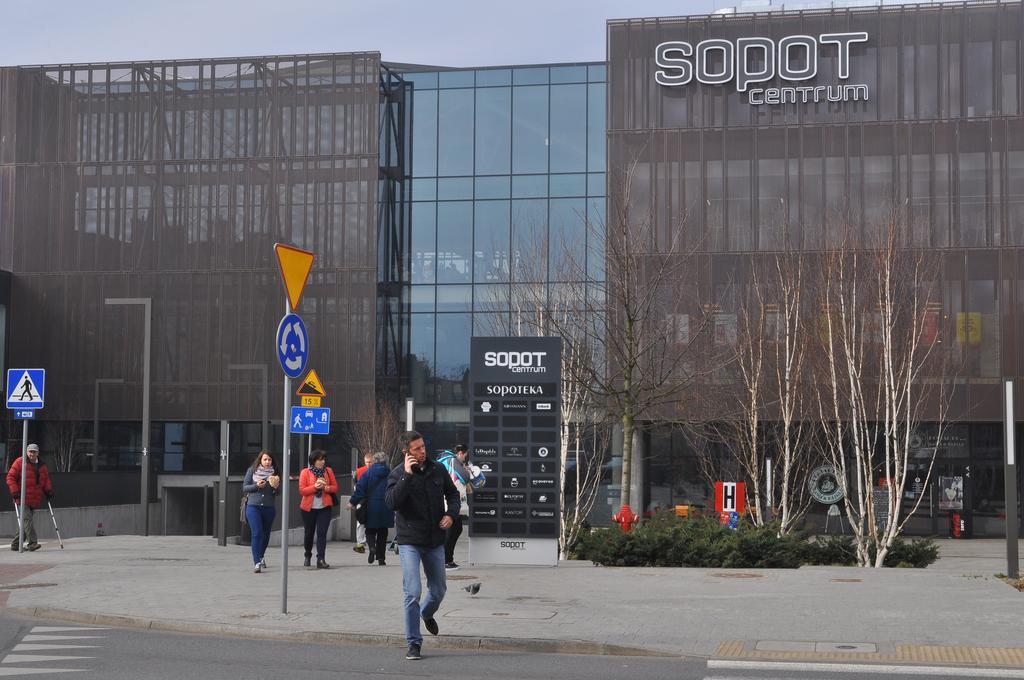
x: 940, y: 133
x: 508, y: 165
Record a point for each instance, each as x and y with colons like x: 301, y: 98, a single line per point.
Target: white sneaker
x: 263, y: 562
x: 257, y: 568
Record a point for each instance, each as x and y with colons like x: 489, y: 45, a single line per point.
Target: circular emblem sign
x: 824, y: 485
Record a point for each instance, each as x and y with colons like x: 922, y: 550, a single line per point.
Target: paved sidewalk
x: 191, y: 584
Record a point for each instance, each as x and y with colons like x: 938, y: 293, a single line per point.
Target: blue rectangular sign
x: 27, y: 414
x: 310, y: 420
x: 25, y: 388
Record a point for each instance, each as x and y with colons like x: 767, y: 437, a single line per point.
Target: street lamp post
x: 96, y: 419
x: 147, y: 304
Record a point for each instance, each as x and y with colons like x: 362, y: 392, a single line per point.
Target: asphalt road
x: 49, y: 649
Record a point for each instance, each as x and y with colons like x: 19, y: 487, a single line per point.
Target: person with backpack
x: 37, y: 485
x: 378, y: 516
x: 456, y: 466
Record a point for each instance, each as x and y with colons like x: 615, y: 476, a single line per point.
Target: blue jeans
x: 433, y: 566
x: 260, y: 519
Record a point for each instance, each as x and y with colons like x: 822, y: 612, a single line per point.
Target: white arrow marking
x: 37, y: 671
x: 302, y: 336
x: 46, y: 648
x: 39, y: 658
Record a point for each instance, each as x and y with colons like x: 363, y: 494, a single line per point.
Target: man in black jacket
x: 417, y: 491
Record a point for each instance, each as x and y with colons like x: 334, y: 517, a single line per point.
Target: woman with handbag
x: 260, y: 487
x: 368, y: 499
x: 317, y: 486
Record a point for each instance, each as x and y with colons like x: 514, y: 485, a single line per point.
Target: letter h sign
x: 730, y: 497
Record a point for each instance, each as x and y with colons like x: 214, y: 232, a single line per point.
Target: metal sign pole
x: 410, y: 419
x: 285, y: 481
x: 24, y: 478
x: 1010, y: 487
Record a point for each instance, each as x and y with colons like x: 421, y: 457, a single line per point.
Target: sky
x: 436, y: 32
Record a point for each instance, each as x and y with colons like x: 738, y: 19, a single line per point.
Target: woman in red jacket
x: 317, y: 487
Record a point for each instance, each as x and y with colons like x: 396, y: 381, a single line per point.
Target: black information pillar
x: 514, y: 434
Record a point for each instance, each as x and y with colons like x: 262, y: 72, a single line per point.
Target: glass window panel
x: 422, y: 81
x: 492, y: 187
x: 421, y: 298
x: 491, y: 241
x: 492, y: 77
x: 741, y: 233
x: 455, y: 132
x: 530, y: 129
x: 596, y: 128
x: 595, y: 184
x: 491, y: 298
x: 597, y: 73
x: 568, y: 239
x: 424, y: 232
x: 530, y: 76
x: 421, y: 357
x: 529, y: 239
x: 972, y: 199
x: 454, y: 241
x: 454, y: 298
x: 453, y: 334
x: 568, y: 185
x: 568, y: 132
x: 490, y: 325
x: 529, y: 186
x: 424, y: 134
x: 568, y: 74
x: 455, y: 79
x: 1009, y: 77
x: 424, y: 189
x: 455, y: 188
x: 979, y: 79
x: 595, y: 239
x: 493, y: 131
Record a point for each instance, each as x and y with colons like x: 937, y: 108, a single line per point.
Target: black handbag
x: 361, y: 512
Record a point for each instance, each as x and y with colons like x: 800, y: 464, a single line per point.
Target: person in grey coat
x: 261, y: 485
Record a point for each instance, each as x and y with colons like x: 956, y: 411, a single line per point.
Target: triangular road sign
x: 311, y: 386
x: 295, y: 265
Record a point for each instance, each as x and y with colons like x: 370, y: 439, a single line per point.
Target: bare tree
x: 881, y: 374
x: 376, y: 428
x: 63, y: 435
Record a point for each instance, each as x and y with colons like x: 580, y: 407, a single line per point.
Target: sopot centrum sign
x: 749, y: 61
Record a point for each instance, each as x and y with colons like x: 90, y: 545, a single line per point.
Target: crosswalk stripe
x: 39, y: 658
x: 62, y: 629
x: 892, y: 669
x: 32, y: 647
x: 38, y: 671
x: 47, y: 638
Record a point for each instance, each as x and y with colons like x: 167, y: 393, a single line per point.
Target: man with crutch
x: 37, y: 487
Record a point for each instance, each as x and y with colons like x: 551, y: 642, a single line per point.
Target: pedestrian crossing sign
x: 25, y: 388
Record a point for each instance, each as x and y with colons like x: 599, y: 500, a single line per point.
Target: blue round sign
x: 292, y: 345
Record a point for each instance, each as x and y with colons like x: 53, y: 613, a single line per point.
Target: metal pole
x: 222, y: 492
x: 24, y: 478
x: 265, y: 425
x: 1010, y: 486
x: 146, y: 349
x: 285, y: 482
x: 410, y: 418
x: 309, y: 446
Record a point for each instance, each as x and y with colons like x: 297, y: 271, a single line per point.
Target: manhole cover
x: 847, y: 580
x: 738, y: 575
x: 462, y: 577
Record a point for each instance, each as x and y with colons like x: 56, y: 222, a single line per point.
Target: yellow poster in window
x: 968, y: 328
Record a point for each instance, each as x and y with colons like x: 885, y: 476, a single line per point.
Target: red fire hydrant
x: 625, y: 518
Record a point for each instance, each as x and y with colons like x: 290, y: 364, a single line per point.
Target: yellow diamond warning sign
x: 295, y: 265
x: 311, y: 386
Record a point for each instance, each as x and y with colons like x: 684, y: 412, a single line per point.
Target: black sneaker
x: 321, y: 564
x: 414, y: 653
x: 306, y: 561
x: 371, y: 558
x: 431, y: 625
x: 451, y: 566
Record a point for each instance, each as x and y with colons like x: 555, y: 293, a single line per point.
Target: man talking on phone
x: 417, y: 491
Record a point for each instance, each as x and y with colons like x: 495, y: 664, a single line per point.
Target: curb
x: 491, y: 644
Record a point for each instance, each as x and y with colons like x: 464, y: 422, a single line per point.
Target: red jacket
x: 37, y: 483
x: 307, y: 488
